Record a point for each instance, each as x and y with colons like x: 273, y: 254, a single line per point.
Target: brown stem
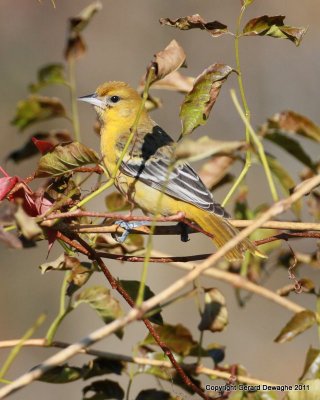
x: 89, y: 251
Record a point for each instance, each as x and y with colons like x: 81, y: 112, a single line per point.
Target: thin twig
x: 135, y: 314
x: 200, y: 369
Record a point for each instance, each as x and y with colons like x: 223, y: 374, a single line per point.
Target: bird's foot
x: 184, y: 232
x: 127, y: 226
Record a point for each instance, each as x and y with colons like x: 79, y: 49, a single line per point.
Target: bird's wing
x: 155, y: 170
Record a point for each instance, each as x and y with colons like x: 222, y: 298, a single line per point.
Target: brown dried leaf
x: 195, y: 150
x: 167, y: 61
x: 215, y: 28
x: 214, y: 170
x: 215, y: 314
x: 174, y: 81
x: 75, y: 45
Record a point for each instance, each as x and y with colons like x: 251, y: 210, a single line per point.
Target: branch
x: 200, y: 369
x: 135, y: 314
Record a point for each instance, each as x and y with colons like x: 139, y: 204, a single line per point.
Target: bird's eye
x: 114, y: 99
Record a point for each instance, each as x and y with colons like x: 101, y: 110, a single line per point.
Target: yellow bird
x: 145, y: 171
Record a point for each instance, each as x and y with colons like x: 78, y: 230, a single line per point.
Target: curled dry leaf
x: 64, y: 158
x: 27, y: 225
x: 214, y: 170
x: 168, y: 60
x: 195, y: 150
x: 35, y: 109
x: 103, y: 389
x: 274, y: 27
x: 215, y: 28
x: 174, y: 81
x: 75, y: 46
x: 199, y: 101
x: 292, y: 123
x: 215, y: 314
x: 311, y: 368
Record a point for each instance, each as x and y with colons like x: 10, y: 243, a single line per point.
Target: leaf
x: 216, y: 352
x: 215, y: 28
x: 214, y: 170
x: 215, y: 315
x: 173, y: 81
x: 100, y: 299
x: 292, y: 147
x: 115, y: 201
x: 313, y: 203
x: 101, y: 366
x: 299, y: 323
x: 57, y: 265
x: 75, y: 46
x: 307, y: 285
x: 9, y: 239
x: 199, y: 101
x: 311, y: 368
x: 27, y: 225
x: 37, y: 108
x: 42, y: 141
x: 274, y: 27
x: 292, y: 123
x: 51, y: 74
x: 132, y: 287
x: 103, y: 390
x: 177, y: 338
x: 7, y: 183
x: 154, y: 394
x: 310, y: 390
x: 168, y: 60
x: 195, y: 150
x: 79, y: 276
x: 61, y: 374
x: 64, y: 158
x: 285, y: 180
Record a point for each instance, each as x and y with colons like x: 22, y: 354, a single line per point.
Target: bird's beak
x: 92, y: 99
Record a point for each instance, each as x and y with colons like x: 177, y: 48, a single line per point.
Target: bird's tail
x: 222, y: 232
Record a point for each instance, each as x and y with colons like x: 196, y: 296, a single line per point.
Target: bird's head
x: 114, y: 101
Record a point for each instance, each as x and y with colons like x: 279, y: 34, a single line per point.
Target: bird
x: 147, y: 175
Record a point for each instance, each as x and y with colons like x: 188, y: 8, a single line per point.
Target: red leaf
x: 6, y: 185
x: 42, y: 145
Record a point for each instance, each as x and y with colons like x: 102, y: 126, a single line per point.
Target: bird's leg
x: 184, y: 231
x: 127, y: 226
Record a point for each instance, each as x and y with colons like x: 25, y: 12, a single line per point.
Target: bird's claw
x: 127, y: 226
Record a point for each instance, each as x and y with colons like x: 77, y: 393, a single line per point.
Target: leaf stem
x: 16, y: 349
x: 63, y: 311
x: 73, y: 96
x: 255, y: 139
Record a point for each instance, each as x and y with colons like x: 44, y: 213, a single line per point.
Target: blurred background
x: 121, y: 40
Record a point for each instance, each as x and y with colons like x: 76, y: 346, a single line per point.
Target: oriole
x: 143, y: 173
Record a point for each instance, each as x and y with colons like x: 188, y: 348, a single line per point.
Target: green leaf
x: 293, y: 123
x: 115, y: 201
x: 51, y: 74
x: 177, y: 338
x: 154, y: 394
x: 311, y: 368
x: 101, y: 366
x: 132, y: 287
x: 299, y: 323
x: 215, y: 28
x: 310, y: 391
x: 100, y: 299
x: 103, y: 390
x: 61, y: 374
x: 36, y: 109
x: 195, y: 150
x: 274, y: 27
x: 27, y: 225
x: 215, y: 315
x: 285, y: 180
x: 293, y: 147
x: 198, y: 103
x: 64, y: 158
